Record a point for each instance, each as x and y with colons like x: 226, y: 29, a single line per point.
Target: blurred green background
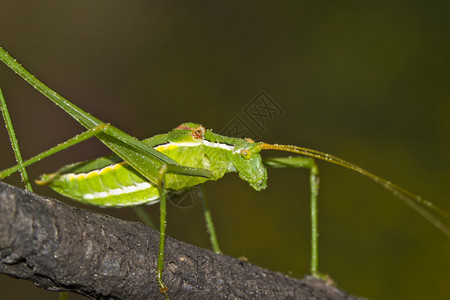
x: 368, y: 82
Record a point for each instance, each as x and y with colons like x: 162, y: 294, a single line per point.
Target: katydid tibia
x: 141, y: 172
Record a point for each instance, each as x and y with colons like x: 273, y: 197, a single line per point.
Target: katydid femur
x: 142, y: 172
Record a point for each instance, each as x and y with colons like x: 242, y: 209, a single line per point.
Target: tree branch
x: 62, y: 248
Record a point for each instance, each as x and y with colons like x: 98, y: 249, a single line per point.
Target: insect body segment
x: 114, y: 185
x: 108, y: 181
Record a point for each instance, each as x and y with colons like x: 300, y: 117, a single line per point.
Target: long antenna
x: 409, y: 198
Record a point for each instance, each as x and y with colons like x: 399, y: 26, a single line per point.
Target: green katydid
x: 149, y: 162
x: 142, y: 171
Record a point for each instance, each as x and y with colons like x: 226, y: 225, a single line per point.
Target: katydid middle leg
x: 305, y: 162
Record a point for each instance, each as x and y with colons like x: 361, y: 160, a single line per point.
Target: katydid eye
x: 245, y: 153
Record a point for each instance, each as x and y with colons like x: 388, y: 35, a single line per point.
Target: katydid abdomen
x: 108, y: 181
x: 114, y: 185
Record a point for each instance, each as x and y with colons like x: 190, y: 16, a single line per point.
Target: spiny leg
x: 209, y: 222
x: 305, y: 162
x: 162, y: 228
x: 14, y: 142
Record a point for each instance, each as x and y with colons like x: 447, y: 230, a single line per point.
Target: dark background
x: 367, y: 82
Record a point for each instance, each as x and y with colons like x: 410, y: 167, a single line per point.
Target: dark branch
x: 61, y: 248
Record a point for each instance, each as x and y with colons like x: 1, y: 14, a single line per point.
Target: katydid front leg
x: 305, y: 162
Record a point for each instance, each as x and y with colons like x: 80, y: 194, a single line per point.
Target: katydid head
x: 187, y: 132
x: 245, y: 157
x: 247, y: 161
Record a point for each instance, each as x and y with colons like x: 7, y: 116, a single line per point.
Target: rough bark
x: 62, y: 248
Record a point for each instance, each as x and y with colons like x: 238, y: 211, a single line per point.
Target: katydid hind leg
x: 14, y: 141
x: 309, y: 163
